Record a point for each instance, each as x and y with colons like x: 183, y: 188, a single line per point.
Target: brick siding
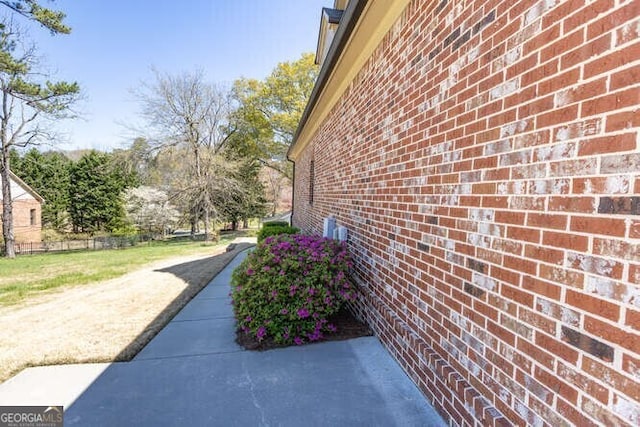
x: 23, y: 230
x: 486, y: 163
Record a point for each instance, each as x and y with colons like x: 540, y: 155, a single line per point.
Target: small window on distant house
x: 311, y: 181
x: 32, y: 215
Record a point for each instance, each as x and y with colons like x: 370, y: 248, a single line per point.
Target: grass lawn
x: 100, y: 321
x: 29, y: 275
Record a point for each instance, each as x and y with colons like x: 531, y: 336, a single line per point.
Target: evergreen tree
x: 248, y: 201
x: 138, y: 160
x: 48, y: 174
x: 96, y: 194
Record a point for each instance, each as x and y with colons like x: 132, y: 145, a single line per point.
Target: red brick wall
x: 22, y: 229
x: 486, y: 163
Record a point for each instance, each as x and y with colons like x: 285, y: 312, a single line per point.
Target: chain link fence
x: 94, y: 243
x: 99, y: 243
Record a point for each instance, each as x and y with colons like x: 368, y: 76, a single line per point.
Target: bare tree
x: 28, y: 99
x: 185, y: 112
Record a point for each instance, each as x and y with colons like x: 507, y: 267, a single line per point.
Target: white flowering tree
x: 149, y: 210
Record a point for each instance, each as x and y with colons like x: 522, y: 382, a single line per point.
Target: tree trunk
x: 245, y: 223
x: 207, y: 238
x: 7, y: 207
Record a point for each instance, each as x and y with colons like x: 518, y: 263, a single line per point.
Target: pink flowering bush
x: 287, y: 288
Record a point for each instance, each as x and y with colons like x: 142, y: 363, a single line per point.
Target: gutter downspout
x: 293, y: 191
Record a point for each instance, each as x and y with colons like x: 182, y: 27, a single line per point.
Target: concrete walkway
x: 193, y: 373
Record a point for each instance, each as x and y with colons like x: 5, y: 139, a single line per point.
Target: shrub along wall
x: 275, y: 230
x: 486, y: 163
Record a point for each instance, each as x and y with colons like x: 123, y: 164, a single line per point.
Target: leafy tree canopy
x: 270, y: 110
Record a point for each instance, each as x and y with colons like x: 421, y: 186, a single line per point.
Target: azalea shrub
x: 289, y: 286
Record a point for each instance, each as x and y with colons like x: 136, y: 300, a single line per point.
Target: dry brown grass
x: 106, y: 321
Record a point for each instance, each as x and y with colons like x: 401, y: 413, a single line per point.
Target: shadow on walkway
x: 211, y: 265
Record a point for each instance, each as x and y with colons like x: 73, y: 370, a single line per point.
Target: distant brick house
x: 27, y: 211
x: 484, y: 156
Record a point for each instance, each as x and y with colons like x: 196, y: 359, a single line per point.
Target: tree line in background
x: 207, y: 154
x: 82, y: 196
x: 210, y: 156
x: 128, y: 191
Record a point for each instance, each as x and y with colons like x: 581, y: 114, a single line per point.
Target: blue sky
x: 115, y: 43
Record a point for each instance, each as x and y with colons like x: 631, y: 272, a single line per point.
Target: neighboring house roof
x: 23, y: 185
x: 363, y: 25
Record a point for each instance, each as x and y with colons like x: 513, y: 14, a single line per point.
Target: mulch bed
x: 347, y: 327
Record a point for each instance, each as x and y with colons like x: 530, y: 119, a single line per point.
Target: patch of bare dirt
x: 107, y: 321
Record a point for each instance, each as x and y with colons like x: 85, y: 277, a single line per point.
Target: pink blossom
x: 315, y: 336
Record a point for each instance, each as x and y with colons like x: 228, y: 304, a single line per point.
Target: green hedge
x: 275, y: 224
x: 276, y: 230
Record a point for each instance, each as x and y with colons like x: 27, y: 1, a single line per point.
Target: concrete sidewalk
x: 193, y: 373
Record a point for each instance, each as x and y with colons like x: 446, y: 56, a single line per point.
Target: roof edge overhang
x: 328, y: 18
x: 25, y: 187
x: 363, y: 26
